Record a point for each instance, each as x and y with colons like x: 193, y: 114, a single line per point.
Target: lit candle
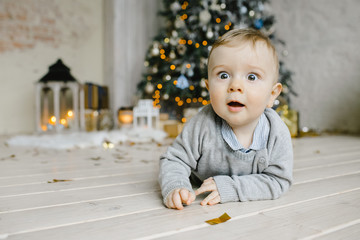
x: 69, y: 118
x: 52, y: 120
x: 125, y: 116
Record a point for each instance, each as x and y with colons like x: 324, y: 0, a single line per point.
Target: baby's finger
x: 215, y: 200
x: 210, y: 179
x: 184, y: 194
x: 169, y: 202
x: 192, y: 198
x: 177, y: 200
x: 210, y: 197
x: 206, y: 188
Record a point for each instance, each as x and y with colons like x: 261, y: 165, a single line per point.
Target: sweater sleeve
x: 180, y: 159
x: 271, y: 182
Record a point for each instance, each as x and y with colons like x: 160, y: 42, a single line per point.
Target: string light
x: 218, y: 20
x: 197, y: 45
x: 227, y: 27
x: 182, y: 41
x: 192, y: 87
x: 188, y: 65
x: 183, y: 120
x: 189, y: 42
x: 188, y: 100
x: 159, y: 86
x: 184, y: 16
x: 149, y: 78
x: 162, y: 51
x: 162, y: 56
x: 177, y: 99
x: 172, y: 67
x: 166, y: 40
x: 180, y: 103
x: 204, y: 43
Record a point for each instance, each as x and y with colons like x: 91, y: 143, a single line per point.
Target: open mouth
x: 235, y: 104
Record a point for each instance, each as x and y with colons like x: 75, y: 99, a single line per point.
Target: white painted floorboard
x: 114, y: 194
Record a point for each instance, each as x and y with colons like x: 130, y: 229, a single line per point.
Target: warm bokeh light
x: 52, y: 120
x: 63, y: 121
x: 70, y: 113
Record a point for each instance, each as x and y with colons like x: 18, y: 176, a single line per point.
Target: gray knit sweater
x: 200, y: 150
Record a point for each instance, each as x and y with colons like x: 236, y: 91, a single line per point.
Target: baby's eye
x: 223, y: 75
x: 252, y: 77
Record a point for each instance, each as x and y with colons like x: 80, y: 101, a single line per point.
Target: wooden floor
x: 113, y: 194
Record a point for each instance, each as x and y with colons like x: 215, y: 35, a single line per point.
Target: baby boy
x: 237, y: 146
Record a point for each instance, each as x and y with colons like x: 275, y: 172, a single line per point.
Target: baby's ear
x: 207, y: 84
x: 276, y: 90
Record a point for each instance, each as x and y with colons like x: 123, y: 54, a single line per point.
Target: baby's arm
x: 178, y: 197
x: 176, y: 165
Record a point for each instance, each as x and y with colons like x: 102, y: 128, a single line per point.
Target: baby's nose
x: 236, y: 86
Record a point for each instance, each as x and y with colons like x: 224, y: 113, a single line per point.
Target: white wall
x: 322, y: 39
x: 129, y: 29
x: 33, y: 35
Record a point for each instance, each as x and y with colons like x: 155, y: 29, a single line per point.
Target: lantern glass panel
x: 47, y: 110
x: 66, y: 107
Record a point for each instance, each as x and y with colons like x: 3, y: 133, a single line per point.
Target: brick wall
x: 33, y: 35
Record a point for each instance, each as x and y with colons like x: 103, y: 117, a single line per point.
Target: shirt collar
x: 260, y: 136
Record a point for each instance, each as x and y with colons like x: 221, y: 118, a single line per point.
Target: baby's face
x: 241, y: 82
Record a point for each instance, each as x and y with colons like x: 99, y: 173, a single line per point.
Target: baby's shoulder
x: 205, y: 115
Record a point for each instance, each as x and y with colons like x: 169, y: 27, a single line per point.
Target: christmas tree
x: 176, y: 62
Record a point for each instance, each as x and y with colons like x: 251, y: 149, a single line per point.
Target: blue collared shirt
x: 260, y: 136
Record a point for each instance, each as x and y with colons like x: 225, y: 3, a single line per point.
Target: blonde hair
x: 248, y: 35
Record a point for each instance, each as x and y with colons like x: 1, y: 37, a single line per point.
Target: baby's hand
x: 209, y: 185
x: 178, y: 197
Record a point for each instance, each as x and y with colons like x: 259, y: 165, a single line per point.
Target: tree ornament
x: 181, y: 49
x: 149, y: 88
x: 258, y: 23
x: 215, y: 6
x: 182, y: 82
x: 167, y: 77
x: 175, y: 7
x: 203, y: 83
x: 204, y: 17
x: 172, y: 54
x: 209, y: 34
x: 243, y: 10
x: 179, y: 23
